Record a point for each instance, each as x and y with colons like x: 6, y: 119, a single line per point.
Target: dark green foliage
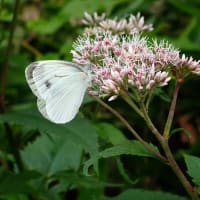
x: 57, y: 159
x: 193, y: 169
x: 143, y: 195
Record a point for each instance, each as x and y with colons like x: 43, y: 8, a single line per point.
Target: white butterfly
x: 60, y: 87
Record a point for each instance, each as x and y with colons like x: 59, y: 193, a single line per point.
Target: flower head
x: 185, y: 65
x: 99, y: 23
x: 123, y: 59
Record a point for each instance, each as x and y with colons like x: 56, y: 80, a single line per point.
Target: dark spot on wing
x: 47, y: 84
x: 30, y: 71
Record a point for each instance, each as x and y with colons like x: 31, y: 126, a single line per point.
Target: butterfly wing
x: 40, y: 75
x: 65, y: 98
x: 60, y: 87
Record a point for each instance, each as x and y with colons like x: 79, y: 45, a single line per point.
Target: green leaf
x: 129, y: 148
x: 110, y: 133
x: 49, y: 155
x: 144, y: 194
x: 79, y: 131
x: 11, y: 183
x: 80, y: 180
x: 193, y: 169
x: 174, y: 131
x: 113, y: 135
x: 67, y: 178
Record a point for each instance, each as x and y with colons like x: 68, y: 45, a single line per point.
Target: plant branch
x: 164, y: 143
x: 150, y: 124
x: 133, y: 105
x: 149, y: 98
x: 129, y: 101
x: 3, y: 79
x: 32, y: 49
x: 173, y: 164
x: 137, y: 136
x: 172, y: 109
x: 4, y: 70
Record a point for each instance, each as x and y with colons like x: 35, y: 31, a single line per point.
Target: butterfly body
x: 59, y: 86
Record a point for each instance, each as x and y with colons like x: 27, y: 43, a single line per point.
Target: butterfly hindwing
x: 64, y: 101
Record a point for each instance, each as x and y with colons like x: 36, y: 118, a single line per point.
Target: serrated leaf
x: 49, y: 155
x: 143, y: 195
x: 110, y: 133
x: 79, y: 131
x: 193, y: 168
x: 129, y: 148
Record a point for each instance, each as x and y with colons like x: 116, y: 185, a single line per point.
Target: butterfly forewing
x: 60, y: 87
x: 41, y: 74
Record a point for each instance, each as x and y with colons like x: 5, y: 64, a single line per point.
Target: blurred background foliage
x: 42, y: 160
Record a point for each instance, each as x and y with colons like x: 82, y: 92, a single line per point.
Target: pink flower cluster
x: 128, y: 61
x: 132, y: 25
x: 186, y: 65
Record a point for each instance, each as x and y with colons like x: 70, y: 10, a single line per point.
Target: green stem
x: 149, y: 98
x: 150, y: 124
x: 130, y: 102
x: 173, y: 164
x: 170, y: 117
x: 3, y: 79
x: 3, y: 76
x: 130, y: 128
x: 164, y: 143
x: 132, y: 105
